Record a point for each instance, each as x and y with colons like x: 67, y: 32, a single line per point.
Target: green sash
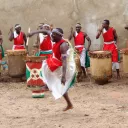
x: 87, y: 60
x: 2, y: 50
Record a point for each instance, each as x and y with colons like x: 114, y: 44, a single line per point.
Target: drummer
x: 44, y: 40
x: 79, y: 40
x: 18, y: 36
x: 110, y: 43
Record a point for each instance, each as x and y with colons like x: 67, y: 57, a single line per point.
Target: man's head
x: 46, y: 26
x: 57, y: 34
x: 40, y: 26
x: 78, y: 27
x: 105, y: 23
x: 18, y: 28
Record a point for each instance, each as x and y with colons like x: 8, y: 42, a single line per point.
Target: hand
x: 87, y: 49
x: 11, y: 29
x: 63, y: 80
x: 71, y: 29
x: 29, y: 34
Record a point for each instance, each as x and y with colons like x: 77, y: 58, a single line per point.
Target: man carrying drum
x: 110, y: 43
x: 79, y: 40
x: 18, y: 36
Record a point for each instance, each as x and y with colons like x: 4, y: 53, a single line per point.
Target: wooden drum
x: 101, y: 66
x: 16, y: 63
x: 34, y: 75
x: 125, y: 59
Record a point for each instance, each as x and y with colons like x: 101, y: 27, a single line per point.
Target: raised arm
x: 11, y: 34
x: 99, y: 32
x: 89, y: 41
x: 63, y: 49
x: 71, y: 34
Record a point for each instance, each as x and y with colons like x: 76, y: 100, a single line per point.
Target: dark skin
x: 63, y: 50
x: 1, y: 38
x: 18, y: 30
x: 72, y: 34
x: 106, y: 27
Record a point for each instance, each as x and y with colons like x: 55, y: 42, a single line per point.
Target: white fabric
x: 115, y: 65
x: 42, y: 37
x: 76, y: 34
x: 82, y: 57
x: 111, y: 42
x: 17, y: 26
x: 104, y: 30
x: 13, y: 47
x: 53, y: 79
x: 15, y: 34
x: 78, y: 46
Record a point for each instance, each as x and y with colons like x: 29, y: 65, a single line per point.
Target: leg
x: 69, y: 104
x: 117, y: 70
x: 84, y: 72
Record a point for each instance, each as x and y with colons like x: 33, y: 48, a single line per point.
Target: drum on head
x: 16, y: 63
x: 101, y: 66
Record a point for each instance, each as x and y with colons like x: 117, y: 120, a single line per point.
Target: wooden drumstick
x: 28, y: 37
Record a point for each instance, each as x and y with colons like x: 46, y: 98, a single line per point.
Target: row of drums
x: 101, y: 66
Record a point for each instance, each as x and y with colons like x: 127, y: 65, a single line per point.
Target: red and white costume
x: 18, y: 41
x: 45, y: 45
x: 52, y: 71
x: 109, y: 45
x: 79, y: 41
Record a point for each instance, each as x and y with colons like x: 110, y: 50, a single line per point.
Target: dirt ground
x: 95, y: 106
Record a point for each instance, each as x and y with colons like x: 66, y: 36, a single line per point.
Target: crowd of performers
x: 59, y: 69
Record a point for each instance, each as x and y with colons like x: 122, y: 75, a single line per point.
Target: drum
x: 34, y: 75
x: 101, y: 66
x: 16, y: 63
x: 125, y: 59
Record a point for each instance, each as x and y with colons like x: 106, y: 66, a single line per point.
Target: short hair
x: 107, y: 22
x: 60, y: 30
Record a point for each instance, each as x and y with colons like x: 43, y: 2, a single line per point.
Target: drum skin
x: 34, y: 72
x: 101, y: 66
x: 16, y: 63
x: 125, y: 60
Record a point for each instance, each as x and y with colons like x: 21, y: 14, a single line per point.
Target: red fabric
x: 19, y: 40
x: 17, y: 47
x: 79, y: 39
x: 113, y: 49
x: 47, y: 55
x: 54, y: 63
x: 108, y: 36
x: 46, y: 44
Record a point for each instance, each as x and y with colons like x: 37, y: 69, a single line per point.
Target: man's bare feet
x: 68, y: 108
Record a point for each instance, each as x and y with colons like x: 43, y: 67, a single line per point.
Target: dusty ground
x: 94, y: 106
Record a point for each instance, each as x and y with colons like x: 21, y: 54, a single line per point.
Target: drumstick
x: 28, y: 37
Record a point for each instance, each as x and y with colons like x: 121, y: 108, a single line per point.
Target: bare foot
x: 68, y: 108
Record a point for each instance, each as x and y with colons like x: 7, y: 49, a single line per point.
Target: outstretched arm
x: 38, y: 31
x: 89, y: 41
x: 11, y: 35
x: 63, y: 49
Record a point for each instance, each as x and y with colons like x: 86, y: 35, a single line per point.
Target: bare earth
x: 95, y: 106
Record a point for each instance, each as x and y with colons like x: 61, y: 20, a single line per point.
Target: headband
x: 57, y: 32
x: 17, y: 26
x: 46, y: 25
x: 78, y: 25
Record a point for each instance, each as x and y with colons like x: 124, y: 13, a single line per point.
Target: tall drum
x: 125, y: 59
x: 16, y: 63
x: 101, y: 66
x: 34, y: 75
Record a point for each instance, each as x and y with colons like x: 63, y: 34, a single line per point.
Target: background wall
x: 64, y: 14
